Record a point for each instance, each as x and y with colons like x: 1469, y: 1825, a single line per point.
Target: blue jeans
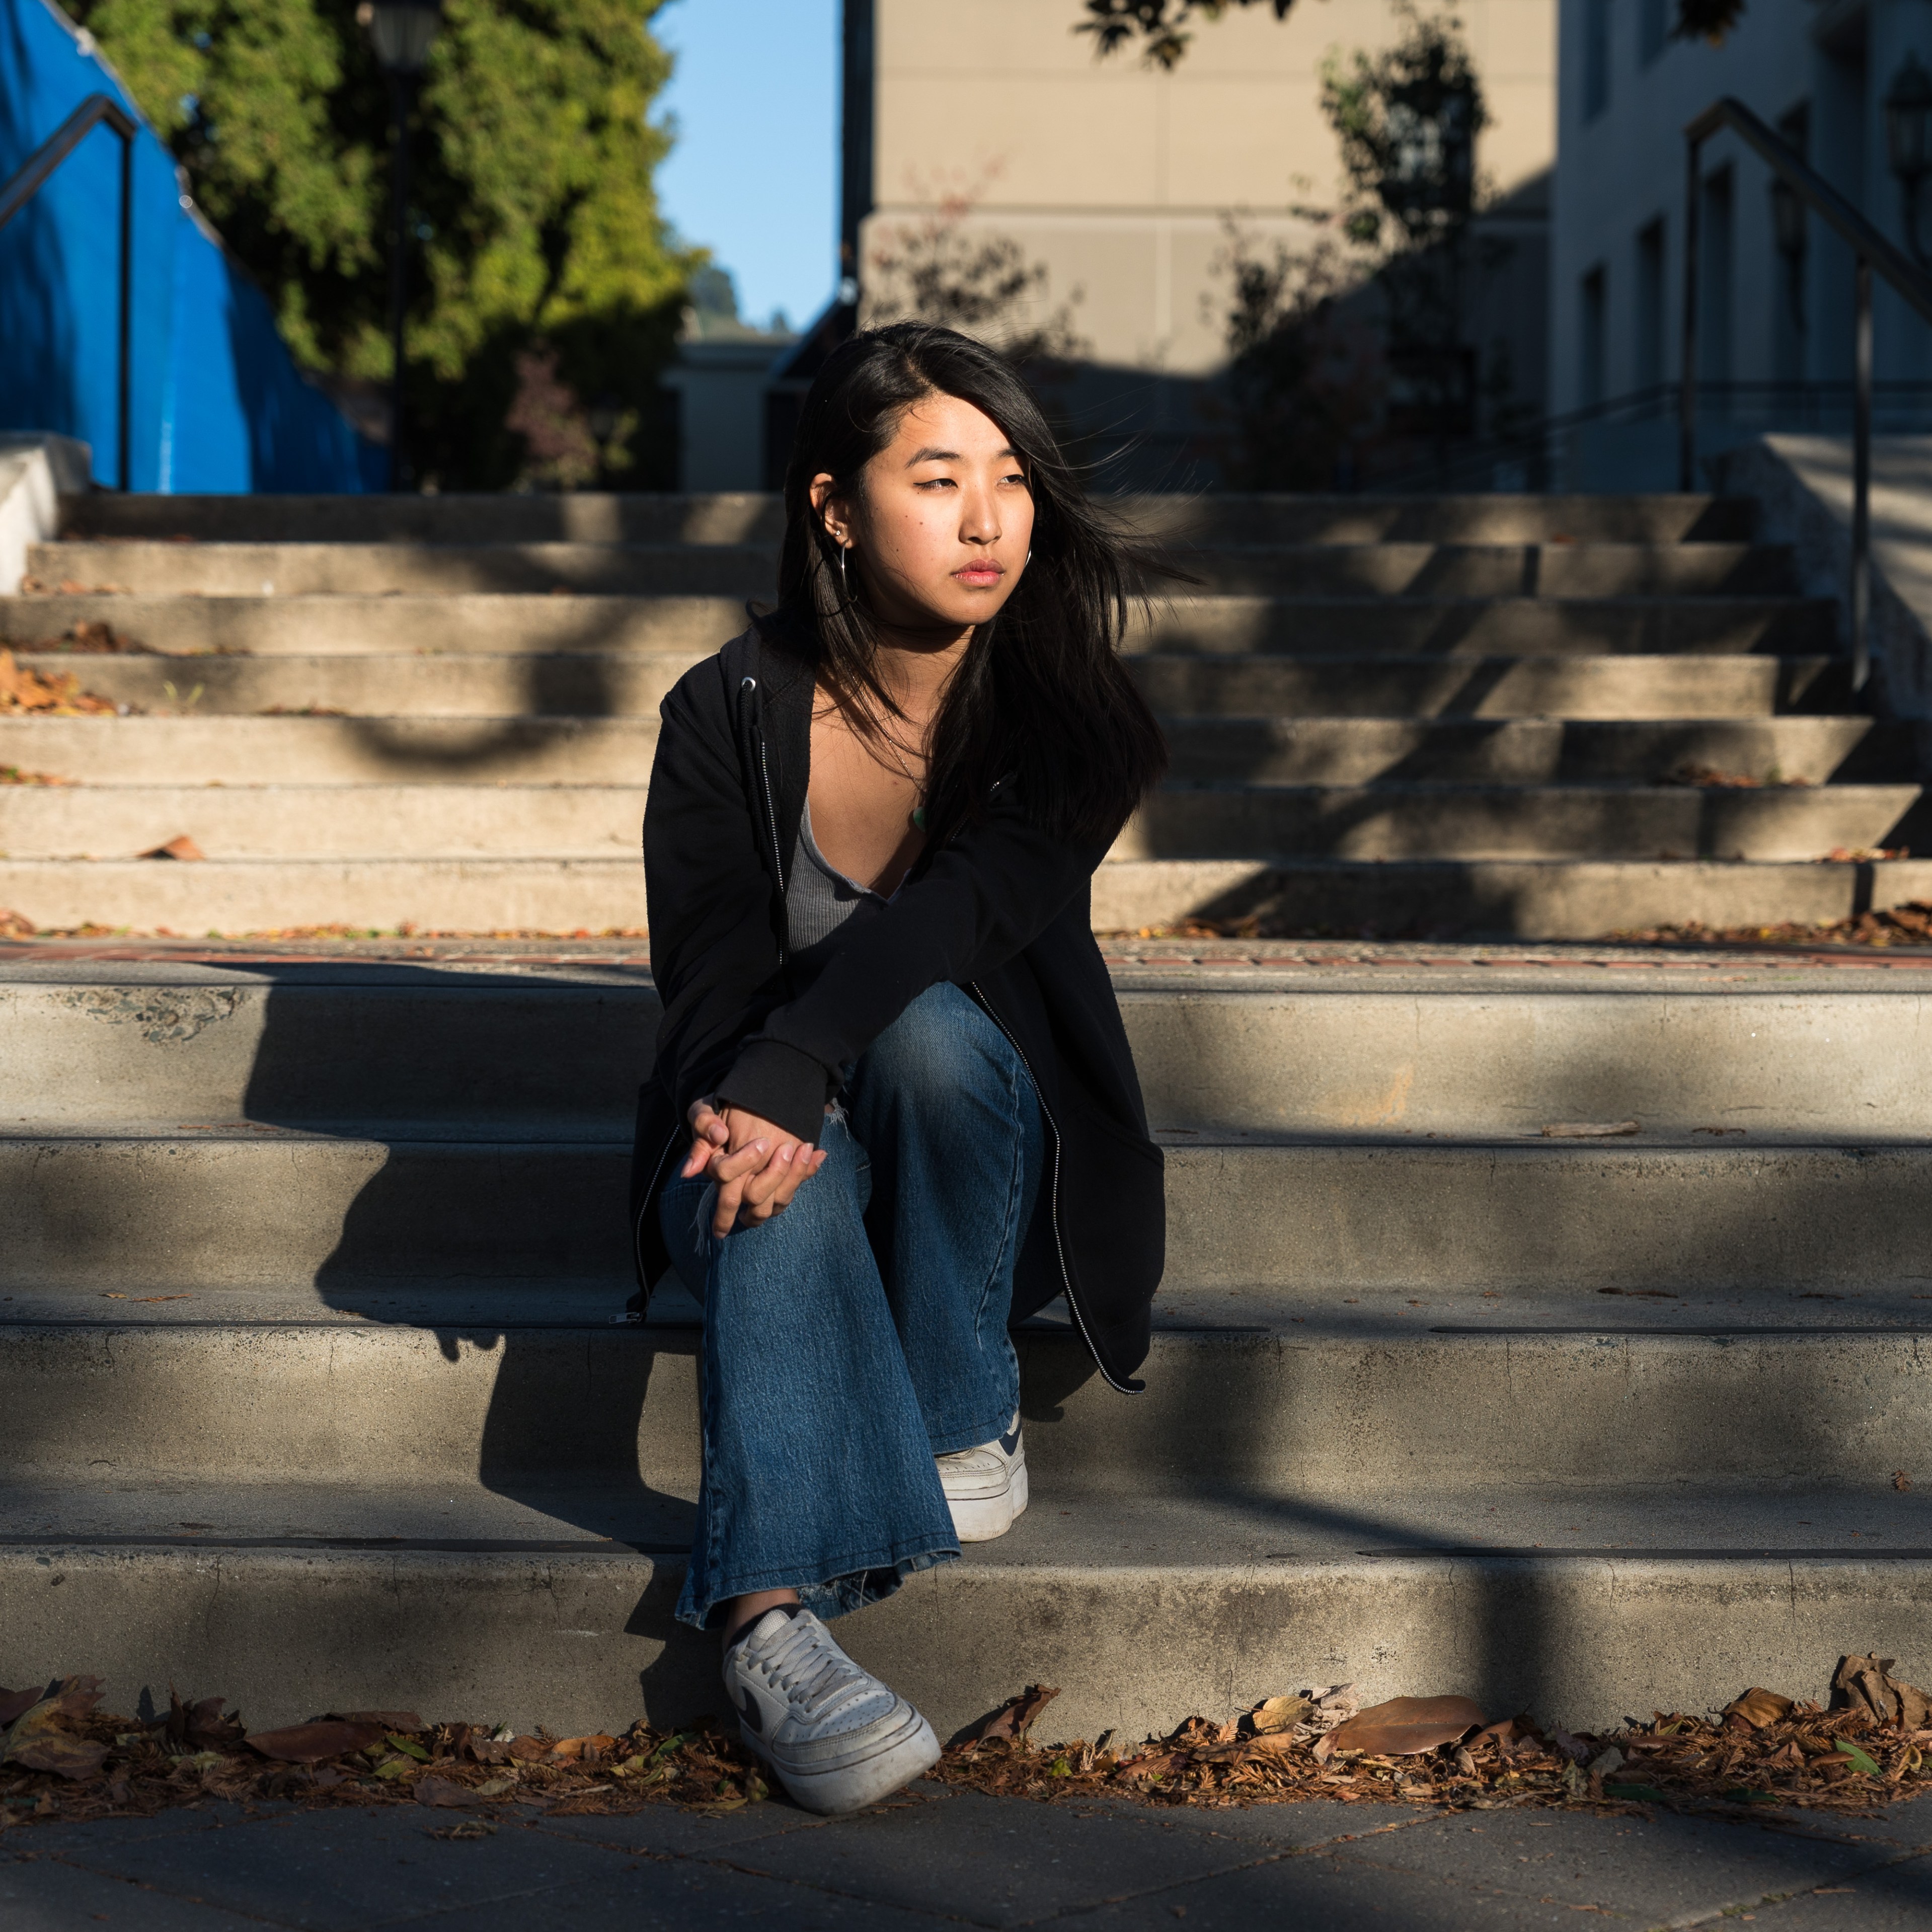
x: 852, y: 1338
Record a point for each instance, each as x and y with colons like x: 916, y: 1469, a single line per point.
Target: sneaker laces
x: 815, y: 1675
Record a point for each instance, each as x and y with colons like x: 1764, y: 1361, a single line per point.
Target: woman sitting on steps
x: 893, y: 1108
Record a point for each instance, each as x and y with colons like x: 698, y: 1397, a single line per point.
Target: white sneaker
x: 985, y: 1487
x: 834, y: 1737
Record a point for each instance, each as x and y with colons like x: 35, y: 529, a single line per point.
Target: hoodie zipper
x: 771, y: 814
x: 1053, y: 1202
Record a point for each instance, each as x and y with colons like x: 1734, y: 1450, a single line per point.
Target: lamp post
x: 403, y: 31
x: 1908, y: 138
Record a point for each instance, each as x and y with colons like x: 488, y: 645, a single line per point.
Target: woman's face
x: 942, y: 533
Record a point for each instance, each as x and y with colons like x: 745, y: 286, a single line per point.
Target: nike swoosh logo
x: 748, y: 1712
x: 1008, y: 1443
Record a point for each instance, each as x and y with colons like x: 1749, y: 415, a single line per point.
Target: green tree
x: 538, y: 244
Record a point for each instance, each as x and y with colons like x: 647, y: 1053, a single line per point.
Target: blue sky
x: 754, y: 175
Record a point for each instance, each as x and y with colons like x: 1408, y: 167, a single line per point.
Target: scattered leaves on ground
x: 12, y: 775
x: 62, y: 1757
x: 93, y: 636
x: 1909, y: 925
x: 24, y: 692
x: 1590, y: 1130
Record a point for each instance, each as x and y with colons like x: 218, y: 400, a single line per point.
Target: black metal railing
x: 15, y: 194
x: 1870, y: 251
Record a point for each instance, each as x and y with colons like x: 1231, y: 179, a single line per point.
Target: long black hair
x: 1040, y: 696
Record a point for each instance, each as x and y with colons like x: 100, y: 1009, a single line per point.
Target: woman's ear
x: 831, y: 509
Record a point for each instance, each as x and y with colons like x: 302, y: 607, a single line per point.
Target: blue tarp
x: 218, y: 404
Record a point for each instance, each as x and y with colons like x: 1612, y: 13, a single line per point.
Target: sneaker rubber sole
x: 903, y: 1748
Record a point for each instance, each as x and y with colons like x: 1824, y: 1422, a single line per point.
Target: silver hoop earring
x: 844, y: 587
x: 1029, y: 559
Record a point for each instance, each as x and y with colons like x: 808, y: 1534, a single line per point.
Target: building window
x: 1596, y: 58
x: 1648, y: 322
x: 1653, y: 28
x: 1590, y: 345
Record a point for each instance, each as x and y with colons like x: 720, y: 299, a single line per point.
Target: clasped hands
x: 757, y: 1166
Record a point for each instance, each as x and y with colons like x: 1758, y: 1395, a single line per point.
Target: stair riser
x: 350, y: 625
x: 566, y: 1059
x: 1497, y: 898
x: 584, y: 685
x: 333, y: 751
x: 583, y: 516
x: 504, y: 822
x: 1493, y: 898
x: 1398, y: 569
x: 355, y: 1217
x: 597, y: 684
x: 1303, y: 1424
x: 270, y: 822
x: 1184, y: 688
x: 1528, y: 751
x: 465, y: 625
x: 1681, y: 823
x: 578, y: 1642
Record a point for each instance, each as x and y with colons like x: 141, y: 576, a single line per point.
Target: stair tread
x: 1066, y: 1529
x: 1313, y: 1319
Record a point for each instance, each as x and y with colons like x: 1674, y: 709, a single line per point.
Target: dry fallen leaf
x: 1590, y: 1130
x: 1900, y: 1480
x: 1280, y: 1713
x: 184, y: 848
x: 310, y: 1744
x: 1404, y: 1726
x: 1866, y: 1684
x: 1013, y: 1717
x: 1759, y: 1708
x: 56, y: 1751
x: 470, y: 1829
x: 430, y: 1789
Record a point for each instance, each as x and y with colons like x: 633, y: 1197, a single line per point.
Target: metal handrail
x: 1871, y: 250
x: 16, y: 193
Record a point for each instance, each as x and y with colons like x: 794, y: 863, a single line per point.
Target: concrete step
x: 257, y: 896
x: 1757, y: 1054
x: 256, y: 1206
x: 466, y: 625
x: 334, y: 751
x: 1395, y: 820
x: 1325, y: 750
x: 1745, y: 1398
x: 725, y: 570
x: 501, y: 684
x: 472, y: 622
x: 1506, y: 898
x: 1537, y: 899
x: 589, y: 683
x: 1368, y: 686
x: 589, y: 517
x: 1140, y: 1609
x: 450, y: 821
x: 1502, y: 626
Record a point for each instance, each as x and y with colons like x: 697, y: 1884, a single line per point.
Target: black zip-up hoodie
x: 1001, y: 910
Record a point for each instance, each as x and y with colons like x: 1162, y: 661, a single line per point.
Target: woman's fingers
x: 764, y: 1198
x: 708, y: 1132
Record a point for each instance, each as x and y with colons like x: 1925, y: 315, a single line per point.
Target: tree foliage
x: 945, y: 269
x: 1161, y: 24
x: 538, y: 245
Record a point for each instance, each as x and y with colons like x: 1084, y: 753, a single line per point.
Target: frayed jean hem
x: 869, y: 1580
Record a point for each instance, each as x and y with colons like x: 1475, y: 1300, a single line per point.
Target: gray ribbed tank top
x: 819, y: 898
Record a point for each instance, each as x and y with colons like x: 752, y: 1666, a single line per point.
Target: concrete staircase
x: 1485, y: 716
x: 311, y: 1388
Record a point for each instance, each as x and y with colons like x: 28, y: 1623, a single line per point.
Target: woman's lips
x: 979, y: 574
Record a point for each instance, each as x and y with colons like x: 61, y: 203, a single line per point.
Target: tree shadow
x: 496, y: 1224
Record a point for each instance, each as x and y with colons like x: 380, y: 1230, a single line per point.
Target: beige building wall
x: 1121, y: 180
